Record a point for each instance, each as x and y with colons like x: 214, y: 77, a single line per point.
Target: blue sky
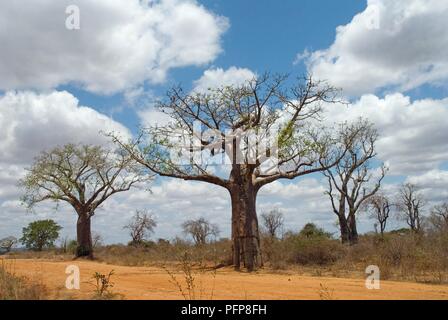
x: 263, y: 36
x: 60, y: 86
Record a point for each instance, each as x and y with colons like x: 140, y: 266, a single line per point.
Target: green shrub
x: 317, y: 251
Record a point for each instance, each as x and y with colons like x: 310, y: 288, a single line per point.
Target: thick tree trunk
x: 246, y: 249
x: 343, y: 221
x: 354, y: 238
x: 84, y: 236
x: 235, y: 232
x: 345, y: 231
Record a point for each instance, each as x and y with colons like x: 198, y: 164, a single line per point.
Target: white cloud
x: 413, y: 134
x: 401, y: 44
x: 309, y: 188
x: 121, y: 43
x: 214, y: 78
x: 152, y: 117
x: 31, y: 122
x: 433, y: 185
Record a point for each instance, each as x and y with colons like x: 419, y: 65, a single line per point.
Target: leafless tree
x: 233, y: 125
x: 7, y: 243
x: 438, y: 218
x: 410, y: 204
x: 351, y: 181
x: 273, y: 222
x: 379, y: 207
x: 141, y: 226
x: 200, y: 230
x: 84, y: 176
x: 97, y: 240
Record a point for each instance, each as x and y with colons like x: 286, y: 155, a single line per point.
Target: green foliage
x: 103, y: 284
x: 311, y: 231
x: 71, y: 246
x: 402, y: 231
x: 82, y: 175
x: 40, y: 234
x: 143, y: 244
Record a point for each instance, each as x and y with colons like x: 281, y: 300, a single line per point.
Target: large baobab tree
x: 260, y: 131
x: 410, y: 204
x: 351, y: 181
x: 84, y: 176
x: 379, y: 207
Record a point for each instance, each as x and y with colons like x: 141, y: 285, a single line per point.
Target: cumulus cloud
x: 214, y: 78
x: 121, y: 43
x: 31, y: 122
x: 432, y: 184
x: 413, y: 134
x: 394, y: 44
x: 150, y: 117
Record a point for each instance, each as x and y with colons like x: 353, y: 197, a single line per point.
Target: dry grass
x: 190, y: 284
x: 326, y: 293
x: 13, y: 287
x: 404, y: 257
x: 164, y: 253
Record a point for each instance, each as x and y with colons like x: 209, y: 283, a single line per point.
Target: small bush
x: 317, y: 251
x: 103, y: 285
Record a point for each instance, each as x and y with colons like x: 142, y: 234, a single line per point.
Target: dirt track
x: 154, y: 283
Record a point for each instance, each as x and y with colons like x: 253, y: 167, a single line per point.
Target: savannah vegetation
x: 86, y: 176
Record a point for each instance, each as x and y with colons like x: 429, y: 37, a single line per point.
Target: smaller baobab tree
x: 84, y: 176
x: 438, y: 219
x: 200, y: 230
x: 97, y: 240
x: 379, y: 207
x: 352, y: 181
x: 273, y: 222
x: 410, y: 204
x: 8, y: 243
x: 140, y: 227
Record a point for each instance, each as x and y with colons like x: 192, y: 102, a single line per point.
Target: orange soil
x: 154, y: 283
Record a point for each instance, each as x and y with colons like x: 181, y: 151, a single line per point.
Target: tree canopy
x: 40, y: 234
x: 84, y: 176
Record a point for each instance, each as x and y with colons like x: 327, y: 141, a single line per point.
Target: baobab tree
x: 379, y: 207
x: 84, y: 176
x: 410, y: 204
x: 272, y: 222
x: 141, y: 226
x: 439, y: 217
x: 200, y: 230
x: 351, y: 181
x: 259, y: 132
x: 8, y: 243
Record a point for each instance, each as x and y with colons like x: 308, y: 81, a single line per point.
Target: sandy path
x: 154, y: 283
